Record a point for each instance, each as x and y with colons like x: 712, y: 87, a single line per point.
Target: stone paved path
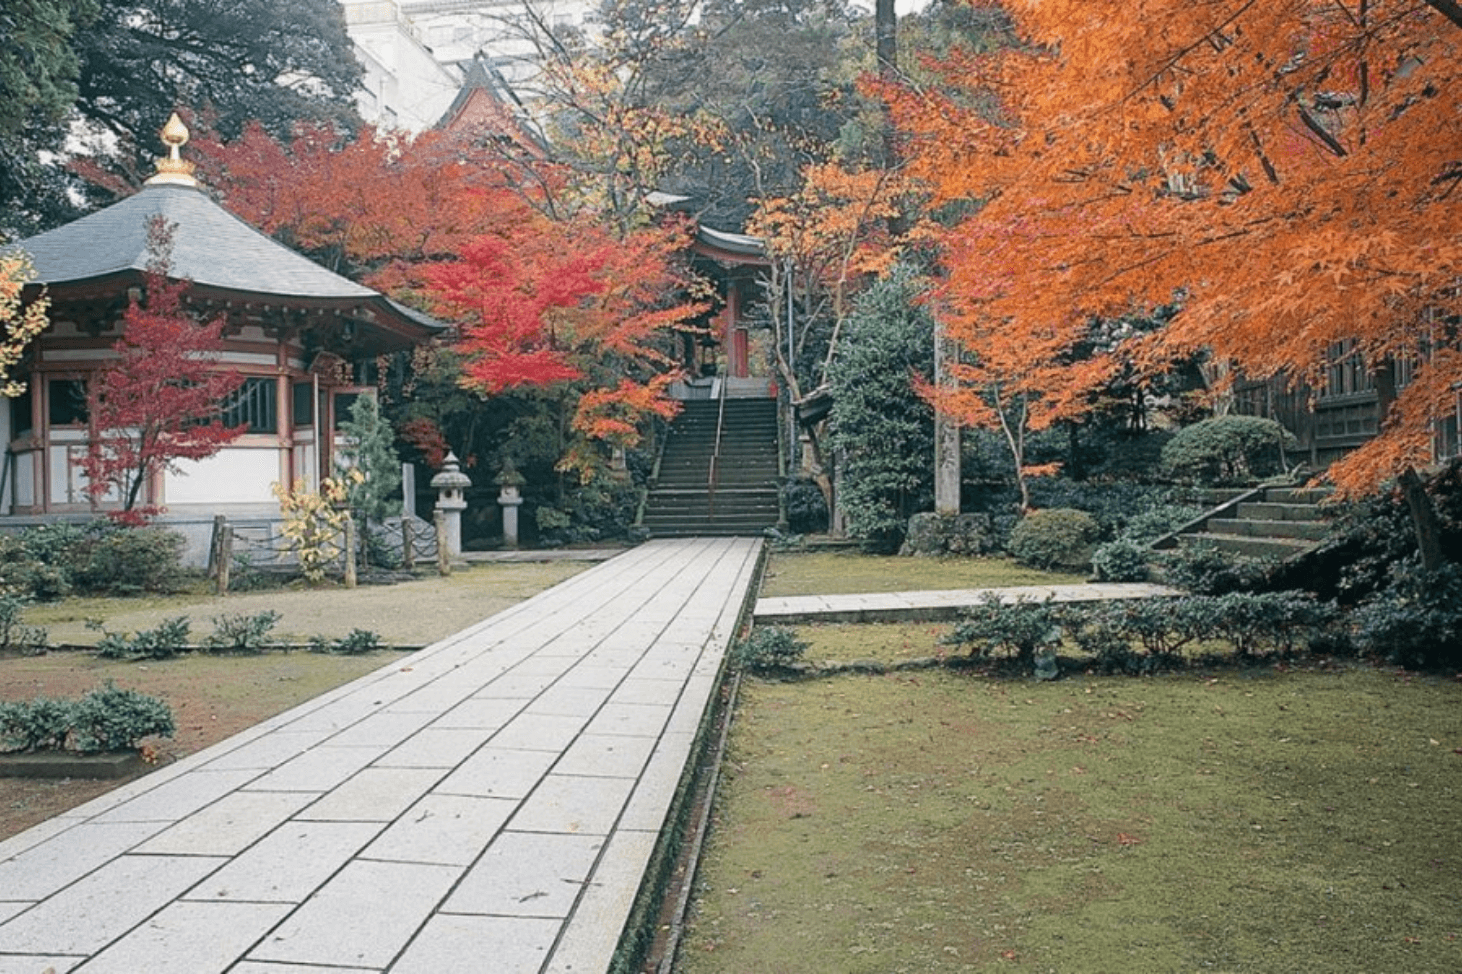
x: 486, y: 805
x: 934, y: 606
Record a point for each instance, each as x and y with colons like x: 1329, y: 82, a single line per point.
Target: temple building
x: 298, y: 334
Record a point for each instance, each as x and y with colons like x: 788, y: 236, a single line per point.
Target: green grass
x: 846, y: 572
x: 1247, y: 821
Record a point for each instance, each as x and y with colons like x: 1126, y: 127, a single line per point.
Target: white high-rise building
x: 416, y: 52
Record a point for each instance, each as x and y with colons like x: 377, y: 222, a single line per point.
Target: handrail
x: 713, y: 474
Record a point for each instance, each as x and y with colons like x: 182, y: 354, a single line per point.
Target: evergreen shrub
x: 112, y: 719
x: 1057, y: 538
x: 1020, y: 629
x: 769, y: 648
x: 805, y: 506
x: 1122, y: 560
x: 1227, y: 449
x: 1205, y: 569
x: 105, y: 720
x: 242, y: 633
x: 130, y: 561
x: 1416, y: 620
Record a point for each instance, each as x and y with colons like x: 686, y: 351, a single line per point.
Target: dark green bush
x: 55, y: 544
x: 769, y: 648
x: 805, y: 506
x: 1228, y: 449
x: 1114, y: 505
x: 1415, y: 621
x: 1059, y: 538
x: 242, y: 633
x: 111, y: 719
x: 1205, y: 569
x: 1020, y: 629
x: 129, y: 561
x: 1103, y: 632
x: 1147, y: 526
x: 1120, y: 561
x: 40, y: 724
x: 166, y: 641
x: 1255, y: 623
x: 25, y: 575
x: 357, y: 641
x: 1142, y: 635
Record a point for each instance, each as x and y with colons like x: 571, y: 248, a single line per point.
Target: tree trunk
x: 1447, y: 8
x: 1423, y: 519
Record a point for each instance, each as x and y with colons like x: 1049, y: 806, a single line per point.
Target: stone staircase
x: 1268, y: 522
x: 686, y: 500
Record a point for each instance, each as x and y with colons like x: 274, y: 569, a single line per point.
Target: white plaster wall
x: 24, y: 471
x: 235, y: 475
x: 68, y: 483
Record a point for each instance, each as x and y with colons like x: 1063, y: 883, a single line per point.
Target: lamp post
x: 450, y: 486
x: 510, y: 499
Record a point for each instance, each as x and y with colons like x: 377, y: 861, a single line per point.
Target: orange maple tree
x: 1287, y: 171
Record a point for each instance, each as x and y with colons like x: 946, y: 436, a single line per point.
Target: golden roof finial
x: 174, y: 169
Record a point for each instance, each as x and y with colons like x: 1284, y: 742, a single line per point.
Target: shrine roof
x: 210, y: 247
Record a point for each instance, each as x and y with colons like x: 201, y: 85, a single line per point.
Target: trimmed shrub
x: 1059, y: 538
x: 769, y: 648
x: 1102, y: 631
x: 111, y: 719
x: 1114, y: 505
x: 164, y: 642
x: 1120, y: 561
x: 128, y: 561
x: 25, y: 575
x: 1020, y: 629
x: 40, y: 724
x: 805, y: 506
x: 1147, y: 526
x: 1204, y: 569
x: 1228, y: 449
x: 1254, y: 623
x: 1143, y: 635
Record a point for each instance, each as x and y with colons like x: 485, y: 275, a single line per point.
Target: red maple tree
x: 159, y: 401
x: 543, y: 296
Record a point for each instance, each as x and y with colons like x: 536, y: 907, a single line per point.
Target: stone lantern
x: 450, y: 486
x: 510, y: 499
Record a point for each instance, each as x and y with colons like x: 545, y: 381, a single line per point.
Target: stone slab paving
x: 489, y: 803
x: 934, y: 606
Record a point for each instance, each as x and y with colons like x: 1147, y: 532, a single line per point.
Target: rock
x: 950, y: 534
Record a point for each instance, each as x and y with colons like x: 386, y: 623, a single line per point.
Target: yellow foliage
x: 314, y: 523
x: 20, y: 322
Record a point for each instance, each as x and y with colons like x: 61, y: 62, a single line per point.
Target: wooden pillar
x: 350, y: 574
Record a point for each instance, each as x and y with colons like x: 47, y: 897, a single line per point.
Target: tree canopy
x: 119, y: 68
x: 546, y: 297
x: 1287, y: 172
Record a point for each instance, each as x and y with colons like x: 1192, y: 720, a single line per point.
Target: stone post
x: 450, y: 486
x: 946, y: 430
x: 510, y: 499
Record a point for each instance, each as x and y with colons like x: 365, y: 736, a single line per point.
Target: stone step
x: 1280, y: 548
x: 1267, y: 511
x: 1298, y: 495
x: 1254, y: 528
